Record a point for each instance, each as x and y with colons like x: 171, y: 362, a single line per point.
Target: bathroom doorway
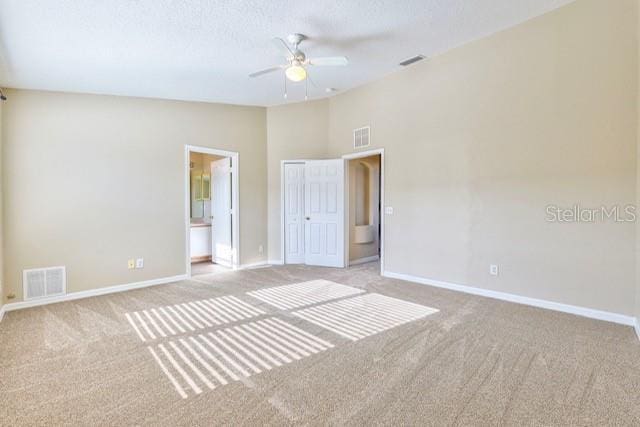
x: 364, y: 175
x: 211, y: 210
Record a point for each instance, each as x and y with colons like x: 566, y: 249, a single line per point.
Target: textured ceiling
x: 204, y: 50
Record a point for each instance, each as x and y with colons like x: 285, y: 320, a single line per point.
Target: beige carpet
x: 462, y: 360
x: 200, y: 268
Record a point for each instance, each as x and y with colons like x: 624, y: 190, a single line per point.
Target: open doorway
x: 211, y: 210
x: 331, y: 210
x: 364, y: 220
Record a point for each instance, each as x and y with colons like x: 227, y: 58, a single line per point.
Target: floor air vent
x: 44, y: 282
x: 362, y: 137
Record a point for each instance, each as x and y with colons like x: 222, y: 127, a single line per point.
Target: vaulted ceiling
x: 204, y: 50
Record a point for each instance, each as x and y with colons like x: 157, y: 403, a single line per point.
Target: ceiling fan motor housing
x: 299, y: 56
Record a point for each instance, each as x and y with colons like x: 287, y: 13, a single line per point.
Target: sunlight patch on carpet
x: 188, y: 317
x: 203, y: 362
x: 359, y: 317
x: 301, y: 294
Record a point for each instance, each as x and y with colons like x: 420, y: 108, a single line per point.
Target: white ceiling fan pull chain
x: 285, y: 86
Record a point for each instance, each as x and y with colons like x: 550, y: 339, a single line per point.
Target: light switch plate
x: 131, y: 264
x: 140, y: 263
x: 388, y: 210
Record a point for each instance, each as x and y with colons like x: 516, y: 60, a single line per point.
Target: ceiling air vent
x: 412, y: 60
x: 44, y: 282
x: 362, y: 137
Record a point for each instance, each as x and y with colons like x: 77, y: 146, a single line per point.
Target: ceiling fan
x: 295, y: 68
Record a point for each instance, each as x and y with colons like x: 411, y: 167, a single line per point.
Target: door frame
x: 359, y: 155
x: 235, y: 200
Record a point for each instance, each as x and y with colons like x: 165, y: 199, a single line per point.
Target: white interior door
x: 294, y: 213
x: 221, y: 212
x: 324, y: 212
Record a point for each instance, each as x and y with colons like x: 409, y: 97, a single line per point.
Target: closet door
x: 294, y: 213
x: 324, y: 213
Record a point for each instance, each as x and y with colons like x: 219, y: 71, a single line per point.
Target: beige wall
x: 294, y: 131
x: 2, y: 299
x: 478, y: 141
x: 105, y: 182
x: 638, y: 168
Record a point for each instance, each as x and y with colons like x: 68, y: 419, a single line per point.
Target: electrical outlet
x: 388, y: 210
x: 260, y: 249
x: 493, y: 270
x: 140, y: 263
x: 131, y: 264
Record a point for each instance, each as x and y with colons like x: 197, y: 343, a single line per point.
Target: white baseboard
x: 637, y: 327
x: 364, y: 260
x: 92, y: 293
x: 550, y: 305
x: 275, y: 262
x: 1, y: 313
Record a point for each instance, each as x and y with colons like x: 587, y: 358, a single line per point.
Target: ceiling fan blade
x: 265, y: 71
x: 313, y: 83
x: 329, y: 61
x: 283, y: 47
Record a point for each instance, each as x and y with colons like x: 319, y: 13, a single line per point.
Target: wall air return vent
x: 362, y: 137
x: 412, y: 60
x: 44, y: 282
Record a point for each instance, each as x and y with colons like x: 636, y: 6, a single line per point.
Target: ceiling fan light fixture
x: 296, y: 73
x: 296, y: 62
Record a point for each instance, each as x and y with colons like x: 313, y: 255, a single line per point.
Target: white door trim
x: 235, y: 200
x: 359, y: 155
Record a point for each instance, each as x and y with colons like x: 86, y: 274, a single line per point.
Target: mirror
x: 197, y: 207
x: 197, y: 187
x: 201, y: 186
x: 206, y: 187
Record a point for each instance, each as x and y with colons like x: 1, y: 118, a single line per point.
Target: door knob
x: 308, y: 218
